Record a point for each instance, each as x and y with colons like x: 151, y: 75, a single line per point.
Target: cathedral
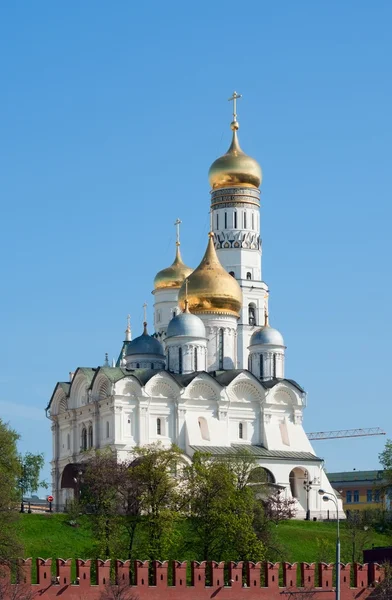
x: 211, y: 376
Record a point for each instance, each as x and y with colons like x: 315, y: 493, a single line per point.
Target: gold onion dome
x: 210, y: 289
x: 235, y: 168
x: 173, y: 276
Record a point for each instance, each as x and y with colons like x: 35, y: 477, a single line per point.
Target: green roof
x: 257, y: 451
x: 351, y: 476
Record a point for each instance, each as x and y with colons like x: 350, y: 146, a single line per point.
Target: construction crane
x: 345, y: 433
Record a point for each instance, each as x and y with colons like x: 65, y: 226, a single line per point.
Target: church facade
x: 212, y: 375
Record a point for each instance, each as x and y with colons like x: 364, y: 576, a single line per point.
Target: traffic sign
x: 50, y: 498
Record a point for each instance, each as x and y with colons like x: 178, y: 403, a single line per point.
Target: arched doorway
x: 71, y: 481
x: 297, y: 478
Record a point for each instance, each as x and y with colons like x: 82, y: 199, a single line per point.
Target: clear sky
x: 110, y: 115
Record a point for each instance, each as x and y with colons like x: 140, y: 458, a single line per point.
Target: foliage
x: 222, y: 511
x: 30, y: 469
x: 156, y: 474
x: 383, y: 590
x: 17, y: 591
x: 356, y: 536
x: 278, y: 508
x: 122, y: 496
x: 9, y: 474
x: 120, y: 591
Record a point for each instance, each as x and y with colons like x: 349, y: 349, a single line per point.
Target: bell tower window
x: 195, y: 355
x: 225, y: 220
x: 244, y: 219
x: 253, y: 220
x: 252, y: 314
x: 261, y: 367
x: 235, y: 219
x: 241, y: 431
x: 274, y: 366
x: 249, y: 276
x: 217, y: 220
x: 159, y: 427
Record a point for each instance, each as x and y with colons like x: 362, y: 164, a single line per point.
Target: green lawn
x: 50, y: 536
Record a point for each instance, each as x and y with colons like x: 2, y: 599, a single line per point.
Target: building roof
x: 355, y: 476
x: 257, y: 451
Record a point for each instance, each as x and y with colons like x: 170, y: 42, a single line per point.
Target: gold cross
x: 234, y: 99
x: 177, y: 223
x: 145, y: 312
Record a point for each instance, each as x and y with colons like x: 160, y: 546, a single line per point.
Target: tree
x: 30, y: 469
x: 357, y: 535
x: 120, y: 591
x: 278, y: 508
x: 383, y: 590
x: 100, y: 496
x: 156, y: 476
x: 222, y: 511
x: 9, y: 477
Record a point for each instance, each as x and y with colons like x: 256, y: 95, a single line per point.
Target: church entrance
x: 297, y: 478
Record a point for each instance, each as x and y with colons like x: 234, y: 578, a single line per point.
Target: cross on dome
x: 234, y: 99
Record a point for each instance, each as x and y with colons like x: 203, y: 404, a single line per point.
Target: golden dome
x: 210, y: 288
x: 173, y: 276
x: 235, y: 168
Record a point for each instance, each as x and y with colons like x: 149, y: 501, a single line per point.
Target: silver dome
x: 145, y: 344
x: 266, y: 335
x: 186, y: 324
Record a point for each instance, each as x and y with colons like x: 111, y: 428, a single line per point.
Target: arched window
x: 84, y: 439
x: 244, y: 219
x: 159, y: 428
x: 168, y: 359
x: 152, y: 365
x: 253, y: 220
x: 68, y: 441
x: 249, y: 276
x: 107, y: 429
x: 252, y: 314
x: 174, y: 314
x: 221, y: 348
x: 138, y: 365
x: 235, y: 219
x: 180, y: 360
x: 232, y: 273
x: 240, y: 431
x: 90, y: 436
x: 225, y: 220
x: 249, y: 363
x: 261, y: 366
x: 195, y: 361
x: 203, y: 425
x: 217, y: 220
x: 274, y: 366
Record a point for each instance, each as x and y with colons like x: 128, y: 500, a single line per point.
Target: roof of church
x: 257, y: 451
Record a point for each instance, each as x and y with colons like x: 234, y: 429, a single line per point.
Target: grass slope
x: 49, y: 536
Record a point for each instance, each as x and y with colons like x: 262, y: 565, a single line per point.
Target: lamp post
x: 307, y: 487
x: 326, y: 497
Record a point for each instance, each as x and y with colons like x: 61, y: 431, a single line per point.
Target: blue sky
x: 110, y: 115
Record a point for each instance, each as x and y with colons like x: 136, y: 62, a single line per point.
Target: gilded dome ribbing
x: 210, y: 287
x: 173, y: 276
x: 235, y: 168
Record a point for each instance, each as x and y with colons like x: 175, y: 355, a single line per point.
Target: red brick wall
x: 234, y: 581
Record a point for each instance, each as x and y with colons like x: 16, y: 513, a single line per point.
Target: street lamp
x: 327, y: 496
x: 307, y: 487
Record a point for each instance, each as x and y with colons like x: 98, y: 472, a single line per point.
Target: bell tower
x: 235, y: 180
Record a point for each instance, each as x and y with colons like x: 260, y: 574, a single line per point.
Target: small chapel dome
x: 145, y: 344
x: 186, y: 324
x: 173, y: 276
x: 210, y: 288
x: 235, y: 168
x: 266, y: 336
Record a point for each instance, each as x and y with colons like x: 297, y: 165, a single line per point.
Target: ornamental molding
x: 237, y: 238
